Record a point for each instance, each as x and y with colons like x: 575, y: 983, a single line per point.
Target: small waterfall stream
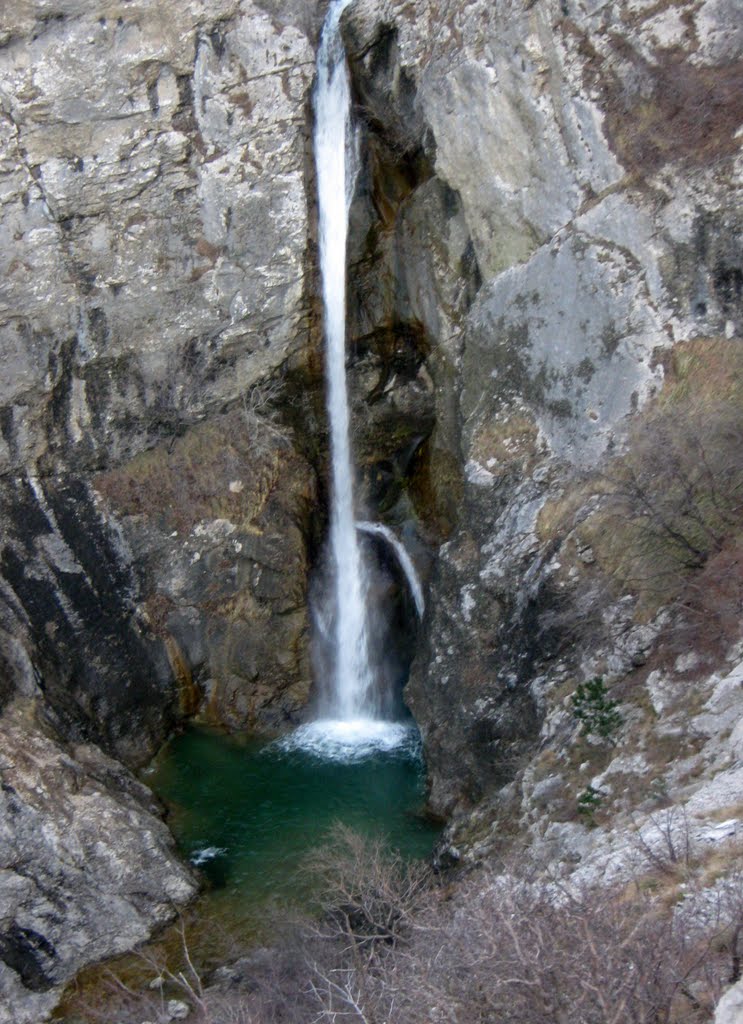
x: 404, y: 559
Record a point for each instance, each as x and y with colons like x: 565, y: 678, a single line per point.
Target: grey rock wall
x: 154, y: 239
x: 593, y: 155
x: 87, y: 869
x: 156, y: 509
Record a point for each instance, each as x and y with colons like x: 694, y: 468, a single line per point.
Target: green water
x: 257, y: 810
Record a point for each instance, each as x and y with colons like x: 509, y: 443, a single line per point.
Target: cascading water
x: 351, y: 695
x: 350, y: 706
x: 404, y: 559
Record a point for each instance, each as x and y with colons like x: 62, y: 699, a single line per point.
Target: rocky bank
x: 545, y: 314
x: 87, y: 869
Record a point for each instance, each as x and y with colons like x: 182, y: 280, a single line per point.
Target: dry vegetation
x: 394, y: 944
x: 675, y: 502
x: 663, y: 521
x: 187, y: 479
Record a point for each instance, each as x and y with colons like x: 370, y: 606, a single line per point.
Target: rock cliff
x: 155, y: 236
x: 86, y: 868
x: 555, y: 206
x: 156, y: 309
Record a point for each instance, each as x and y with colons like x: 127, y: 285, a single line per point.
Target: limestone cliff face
x: 156, y: 510
x: 155, y: 274
x: 555, y: 207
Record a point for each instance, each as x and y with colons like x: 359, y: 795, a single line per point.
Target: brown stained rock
x: 222, y: 522
x: 671, y: 110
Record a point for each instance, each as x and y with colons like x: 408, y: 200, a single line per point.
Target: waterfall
x: 404, y: 559
x: 350, y: 726
x: 351, y: 693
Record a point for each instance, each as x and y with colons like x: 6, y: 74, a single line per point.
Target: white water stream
x: 351, y: 721
x: 351, y: 694
x: 404, y: 559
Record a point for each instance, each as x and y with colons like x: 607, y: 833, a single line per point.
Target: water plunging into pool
x: 353, y: 714
x: 252, y: 810
x: 247, y: 811
x: 351, y: 695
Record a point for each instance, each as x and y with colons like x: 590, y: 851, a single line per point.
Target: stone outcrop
x: 587, y: 163
x: 219, y: 524
x: 87, y: 869
x: 154, y: 248
x: 730, y: 1006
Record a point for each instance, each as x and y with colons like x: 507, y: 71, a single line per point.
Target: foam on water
x: 350, y: 740
x: 203, y: 855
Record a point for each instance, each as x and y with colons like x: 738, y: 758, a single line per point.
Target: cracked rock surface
x: 154, y: 516
x: 591, y: 155
x: 87, y: 868
x: 153, y: 250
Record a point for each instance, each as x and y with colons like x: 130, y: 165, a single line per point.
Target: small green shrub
x: 597, y: 712
x: 589, y: 802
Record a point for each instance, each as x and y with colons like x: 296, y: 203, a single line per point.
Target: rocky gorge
x: 545, y: 317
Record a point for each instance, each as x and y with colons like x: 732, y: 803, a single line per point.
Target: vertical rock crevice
x: 412, y: 278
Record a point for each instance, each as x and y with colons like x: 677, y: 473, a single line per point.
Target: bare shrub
x: 682, y: 483
x: 142, y: 992
x: 525, y: 953
x: 665, y: 843
x: 522, y: 951
x: 367, y: 892
x: 260, y: 404
x: 712, y: 602
x: 667, y: 520
x: 492, y: 947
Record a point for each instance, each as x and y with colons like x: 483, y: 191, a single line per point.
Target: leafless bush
x: 493, y: 947
x: 665, y: 843
x: 259, y: 404
x: 520, y: 951
x: 368, y: 893
x: 143, y: 992
x: 669, y: 526
x: 682, y: 483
